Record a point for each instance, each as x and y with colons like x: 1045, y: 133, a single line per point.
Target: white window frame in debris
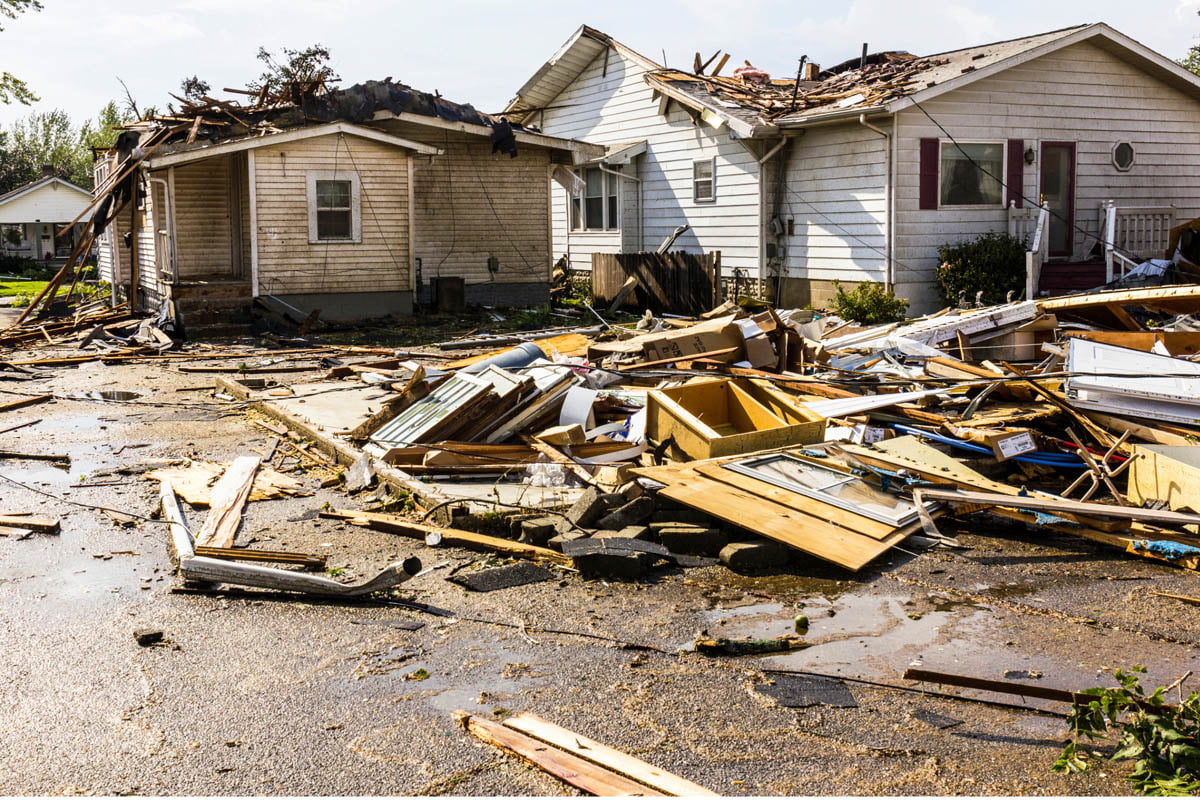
x: 354, y: 209
x: 1121, y: 163
x: 704, y: 187
x: 962, y: 184
x: 604, y: 203
x: 867, y: 500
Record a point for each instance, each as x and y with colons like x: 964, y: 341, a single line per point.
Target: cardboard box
x: 760, y: 353
x: 705, y: 337
x: 711, y: 418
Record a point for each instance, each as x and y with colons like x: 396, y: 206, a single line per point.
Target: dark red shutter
x: 1016, y: 171
x: 929, y: 173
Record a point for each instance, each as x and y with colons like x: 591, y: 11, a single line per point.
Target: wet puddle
x: 862, y: 635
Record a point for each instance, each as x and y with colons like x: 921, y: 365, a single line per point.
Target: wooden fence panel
x: 675, y: 283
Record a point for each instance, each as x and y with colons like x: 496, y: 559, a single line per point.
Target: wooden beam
x: 228, y: 497
x: 571, y: 769
x: 623, y: 763
x: 1052, y: 505
x: 418, y: 530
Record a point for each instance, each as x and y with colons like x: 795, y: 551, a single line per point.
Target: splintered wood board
x: 757, y: 514
x: 227, y: 499
x: 591, y: 778
x: 623, y: 763
x: 568, y: 344
x: 194, y: 483
x: 798, y: 502
x: 1006, y: 414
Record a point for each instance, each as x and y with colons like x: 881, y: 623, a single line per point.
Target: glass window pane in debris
x: 333, y: 194
x: 970, y: 174
x: 334, y: 225
x: 827, y: 485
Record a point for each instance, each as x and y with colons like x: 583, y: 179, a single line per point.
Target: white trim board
x: 295, y: 134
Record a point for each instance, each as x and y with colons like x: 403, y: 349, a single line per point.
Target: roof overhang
x: 582, y: 151
x: 190, y: 153
x: 40, y: 184
x: 619, y: 154
x: 713, y: 115
x: 1099, y: 34
x: 835, y: 117
x: 567, y: 64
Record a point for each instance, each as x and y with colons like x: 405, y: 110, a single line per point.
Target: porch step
x: 210, y: 289
x: 1064, y: 277
x: 220, y: 331
x: 206, y: 313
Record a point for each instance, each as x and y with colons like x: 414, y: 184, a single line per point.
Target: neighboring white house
x: 863, y: 171
x: 31, y: 215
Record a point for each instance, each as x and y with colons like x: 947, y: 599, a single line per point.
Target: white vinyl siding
x: 611, y: 104
x: 836, y: 200
x: 1081, y: 94
x: 203, y: 219
x: 287, y: 262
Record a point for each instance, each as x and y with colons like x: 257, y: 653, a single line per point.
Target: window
x: 828, y: 485
x: 1122, y: 156
x: 333, y: 207
x: 971, y: 174
x: 597, y: 208
x: 704, y: 186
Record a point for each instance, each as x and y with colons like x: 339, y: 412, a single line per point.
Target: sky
x: 73, y: 51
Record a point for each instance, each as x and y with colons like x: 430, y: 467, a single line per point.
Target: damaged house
x: 356, y: 202
x: 861, y: 171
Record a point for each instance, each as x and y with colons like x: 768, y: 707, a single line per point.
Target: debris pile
x: 747, y: 437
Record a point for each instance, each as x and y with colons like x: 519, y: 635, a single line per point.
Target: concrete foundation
x: 353, y: 305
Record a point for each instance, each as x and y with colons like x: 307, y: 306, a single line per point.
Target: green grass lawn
x: 11, y: 288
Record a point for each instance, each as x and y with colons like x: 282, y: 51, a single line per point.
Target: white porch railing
x: 1030, y: 224
x: 1133, y: 234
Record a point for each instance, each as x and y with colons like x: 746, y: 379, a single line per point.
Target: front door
x: 1058, y: 190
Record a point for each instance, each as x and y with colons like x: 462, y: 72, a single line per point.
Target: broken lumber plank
x: 1003, y: 687
x: 20, y: 425
x: 39, y: 524
x: 591, y: 778
x: 228, y: 498
x: 1139, y: 430
x: 1055, y: 505
x: 215, y: 570
x: 25, y: 401
x: 394, y: 524
x: 615, y: 760
x: 60, y: 459
x: 180, y: 543
x: 276, y: 556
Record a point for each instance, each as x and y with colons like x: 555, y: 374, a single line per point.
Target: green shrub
x: 869, y: 303
x: 20, y: 266
x: 1160, y: 738
x: 993, y: 263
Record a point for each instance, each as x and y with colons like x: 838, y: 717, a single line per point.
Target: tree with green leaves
x: 298, y: 74
x: 51, y: 138
x: 1191, y: 61
x: 12, y: 88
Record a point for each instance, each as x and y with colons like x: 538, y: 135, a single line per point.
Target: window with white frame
x: 598, y: 208
x: 704, y: 180
x: 971, y: 174
x: 334, y: 213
